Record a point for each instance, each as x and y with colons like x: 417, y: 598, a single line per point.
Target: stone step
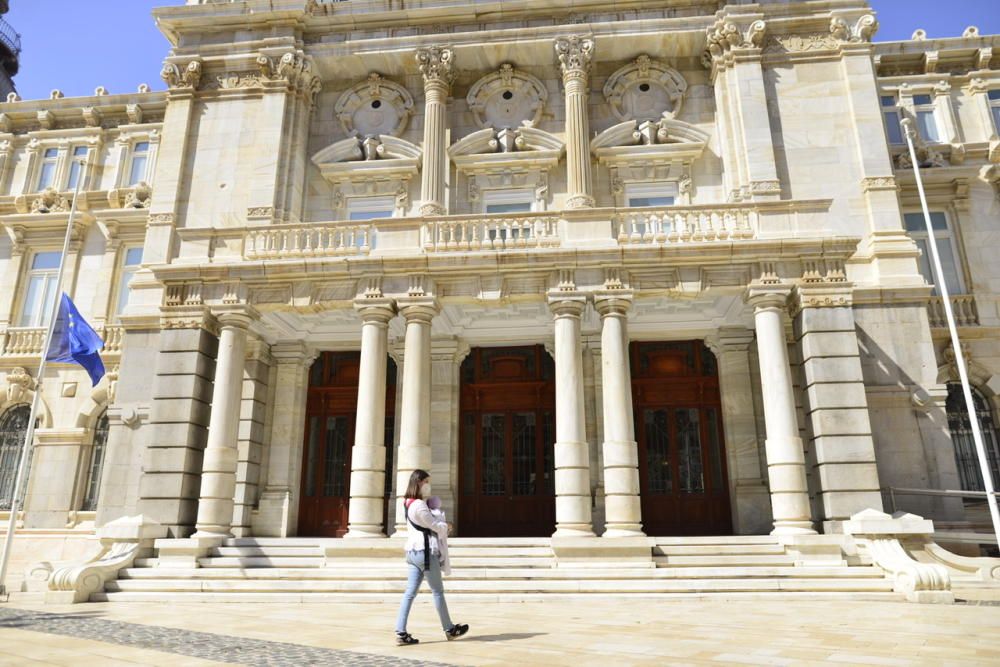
x: 397, y: 572
x: 506, y: 586
x: 461, y: 561
x: 716, y: 539
x: 268, y: 551
x: 489, y: 552
x: 383, y: 598
x: 717, y: 549
x: 750, y: 560
x: 261, y: 561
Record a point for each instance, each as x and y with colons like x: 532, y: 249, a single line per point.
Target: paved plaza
x: 592, y: 632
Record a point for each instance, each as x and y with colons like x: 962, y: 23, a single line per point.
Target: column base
x: 369, y: 532
x: 793, y: 528
x: 574, y: 530
x: 625, y: 530
x: 212, y: 533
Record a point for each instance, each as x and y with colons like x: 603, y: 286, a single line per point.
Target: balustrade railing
x: 318, y: 240
x: 962, y: 305
x: 113, y: 336
x: 685, y: 224
x: 22, y: 341
x: 491, y: 233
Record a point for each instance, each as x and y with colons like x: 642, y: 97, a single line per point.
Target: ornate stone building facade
x: 650, y: 270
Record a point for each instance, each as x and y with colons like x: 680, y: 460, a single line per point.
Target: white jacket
x: 420, y: 514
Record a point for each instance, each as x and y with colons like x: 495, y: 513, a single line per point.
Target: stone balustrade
x: 962, y: 305
x: 685, y: 224
x: 486, y: 232
x: 114, y: 337
x: 317, y: 240
x: 22, y: 341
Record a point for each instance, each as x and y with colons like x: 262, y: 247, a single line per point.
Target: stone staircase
x: 493, y: 569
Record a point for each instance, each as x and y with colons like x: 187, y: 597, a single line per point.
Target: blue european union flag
x: 75, y: 342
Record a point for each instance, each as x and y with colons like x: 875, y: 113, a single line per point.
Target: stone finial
x: 971, y: 31
x: 919, y: 35
x: 56, y: 94
x: 437, y: 63
x: 575, y: 54
x: 143, y: 88
x: 100, y: 91
x: 13, y: 97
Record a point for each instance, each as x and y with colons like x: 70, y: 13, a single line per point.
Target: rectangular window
x: 140, y: 158
x: 890, y: 113
x: 370, y: 208
x: 41, y: 291
x: 75, y: 166
x: 130, y: 264
x: 994, y: 99
x: 643, y: 195
x: 923, y: 108
x: 47, y: 171
x: 947, y: 249
x: 508, y: 201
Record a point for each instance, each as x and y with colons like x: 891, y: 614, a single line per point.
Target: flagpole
x: 29, y: 437
x: 963, y: 374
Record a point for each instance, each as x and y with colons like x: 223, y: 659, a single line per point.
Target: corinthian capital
x: 574, y: 54
x: 437, y: 64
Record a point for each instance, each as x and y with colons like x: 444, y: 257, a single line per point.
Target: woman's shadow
x: 506, y: 636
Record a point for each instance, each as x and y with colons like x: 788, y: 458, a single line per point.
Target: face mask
x: 425, y: 490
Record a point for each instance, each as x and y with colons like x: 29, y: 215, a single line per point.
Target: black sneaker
x: 406, y: 639
x: 456, y: 631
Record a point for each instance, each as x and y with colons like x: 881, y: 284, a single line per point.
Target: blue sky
x: 122, y: 48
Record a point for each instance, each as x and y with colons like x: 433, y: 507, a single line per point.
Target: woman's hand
x: 451, y: 528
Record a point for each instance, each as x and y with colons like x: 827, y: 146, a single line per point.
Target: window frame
x: 132, y: 155
x: 897, y: 109
x: 39, y: 320
x: 91, y: 483
x: 508, y: 197
x: 71, y: 162
x: 43, y: 160
x: 929, y: 107
x: 651, y: 190
x: 370, y: 204
x: 993, y: 104
x: 121, y: 269
x: 951, y: 231
x: 969, y: 463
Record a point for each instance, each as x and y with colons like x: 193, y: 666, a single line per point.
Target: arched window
x: 96, y: 463
x: 13, y: 429
x: 961, y: 437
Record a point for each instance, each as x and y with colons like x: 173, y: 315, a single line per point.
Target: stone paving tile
x: 205, y: 645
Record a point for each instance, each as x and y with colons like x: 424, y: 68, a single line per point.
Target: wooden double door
x: 678, y: 427
x: 507, y: 433
x: 331, y: 419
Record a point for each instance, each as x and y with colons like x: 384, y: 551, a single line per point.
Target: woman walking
x: 423, y: 556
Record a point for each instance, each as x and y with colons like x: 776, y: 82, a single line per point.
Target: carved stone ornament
x: 862, y: 31
x: 507, y: 98
x: 645, y: 90
x: 725, y: 36
x: 188, y: 77
x: 139, y: 196
x: 574, y: 54
x: 437, y: 64
x: 19, y: 384
x: 374, y: 107
x: 800, y: 43
x: 49, y: 201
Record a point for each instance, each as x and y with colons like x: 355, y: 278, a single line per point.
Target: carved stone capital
x: 375, y: 310
x: 763, y: 297
x: 575, y: 53
x: 187, y: 77
x: 436, y: 64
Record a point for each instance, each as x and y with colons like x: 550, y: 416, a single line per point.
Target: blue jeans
x: 415, y: 566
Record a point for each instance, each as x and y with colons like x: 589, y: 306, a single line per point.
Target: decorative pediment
x: 666, y: 136
x: 645, y: 90
x: 521, y: 148
x: 375, y: 107
x: 507, y: 98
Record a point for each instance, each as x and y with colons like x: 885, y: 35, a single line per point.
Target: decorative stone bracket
x: 122, y: 541
x: 884, y: 536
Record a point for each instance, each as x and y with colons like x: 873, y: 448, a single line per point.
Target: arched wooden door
x: 331, y: 409
x: 678, y: 424
x: 507, y: 432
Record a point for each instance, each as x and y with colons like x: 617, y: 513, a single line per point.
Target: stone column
x: 436, y: 66
x: 836, y: 403
x: 218, y: 476
x: 572, y: 458
x: 415, y: 412
x: 748, y: 491
x: 623, y: 514
x: 786, y: 468
x: 364, y: 517
x: 250, y: 440
x: 574, y: 54
x: 278, y: 508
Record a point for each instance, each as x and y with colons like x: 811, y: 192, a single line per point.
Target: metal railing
x: 10, y: 38
x: 941, y: 493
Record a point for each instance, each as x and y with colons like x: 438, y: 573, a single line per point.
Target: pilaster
x: 575, y: 53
